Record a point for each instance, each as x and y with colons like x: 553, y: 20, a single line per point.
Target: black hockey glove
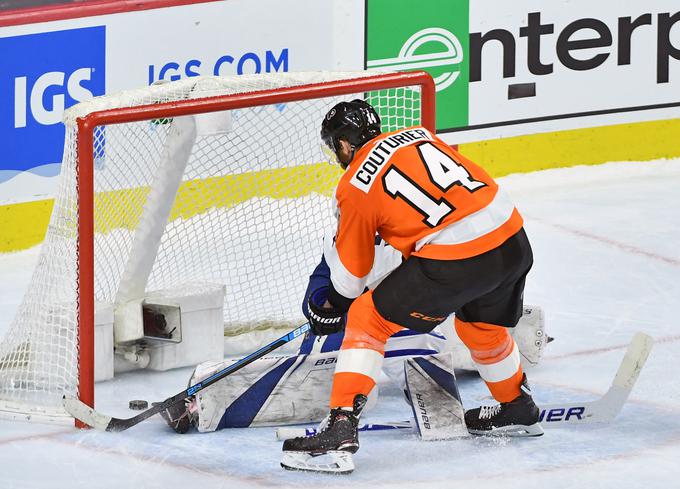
x: 324, y: 320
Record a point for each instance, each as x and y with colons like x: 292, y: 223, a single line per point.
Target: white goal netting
x: 248, y: 210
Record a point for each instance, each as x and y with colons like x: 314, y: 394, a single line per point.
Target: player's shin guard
x: 496, y: 357
x: 361, y: 354
x: 355, y: 373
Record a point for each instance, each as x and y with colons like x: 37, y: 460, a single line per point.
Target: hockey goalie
x: 294, y: 389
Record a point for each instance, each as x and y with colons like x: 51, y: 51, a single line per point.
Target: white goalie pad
x: 270, y: 391
x: 529, y: 334
x: 432, y: 389
x: 406, y: 344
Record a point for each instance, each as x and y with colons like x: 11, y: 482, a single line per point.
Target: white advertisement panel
x: 528, y: 66
x: 47, y: 67
x: 547, y: 65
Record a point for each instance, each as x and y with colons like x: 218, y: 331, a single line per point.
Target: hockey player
x: 465, y: 251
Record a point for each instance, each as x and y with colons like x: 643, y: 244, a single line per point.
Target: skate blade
x: 515, y: 430
x: 333, y: 462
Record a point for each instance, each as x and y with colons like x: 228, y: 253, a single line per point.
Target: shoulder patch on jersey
x: 377, y: 158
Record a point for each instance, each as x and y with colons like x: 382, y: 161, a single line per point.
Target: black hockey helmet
x: 356, y: 121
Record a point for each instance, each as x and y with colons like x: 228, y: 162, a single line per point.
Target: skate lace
x: 332, y: 418
x: 487, y: 412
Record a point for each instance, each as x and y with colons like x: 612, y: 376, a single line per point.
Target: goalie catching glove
x: 322, y: 319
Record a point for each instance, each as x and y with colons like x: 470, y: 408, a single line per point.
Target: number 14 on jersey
x: 444, y: 172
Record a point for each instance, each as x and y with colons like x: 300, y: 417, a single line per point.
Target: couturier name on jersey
x: 379, y: 156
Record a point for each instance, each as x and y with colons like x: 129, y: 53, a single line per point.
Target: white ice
x: 607, y: 260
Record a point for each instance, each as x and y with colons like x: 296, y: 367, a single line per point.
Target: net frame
x: 86, y: 125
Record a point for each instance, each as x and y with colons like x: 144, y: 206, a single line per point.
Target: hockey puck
x: 138, y: 404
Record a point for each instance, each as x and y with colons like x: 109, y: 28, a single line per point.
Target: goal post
x: 241, y: 202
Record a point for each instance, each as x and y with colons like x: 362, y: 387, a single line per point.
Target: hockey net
x: 236, y: 161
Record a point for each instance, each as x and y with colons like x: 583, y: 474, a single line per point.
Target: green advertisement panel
x: 432, y: 35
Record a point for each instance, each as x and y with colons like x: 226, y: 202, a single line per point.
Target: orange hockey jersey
x: 422, y: 197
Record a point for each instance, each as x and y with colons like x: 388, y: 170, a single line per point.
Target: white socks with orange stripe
x: 356, y: 372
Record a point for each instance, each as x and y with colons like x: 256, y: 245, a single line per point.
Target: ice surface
x: 607, y: 260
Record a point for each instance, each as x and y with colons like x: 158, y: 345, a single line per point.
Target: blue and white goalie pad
x: 432, y: 390
x: 270, y: 391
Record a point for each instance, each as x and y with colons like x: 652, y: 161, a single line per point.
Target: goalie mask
x: 357, y: 122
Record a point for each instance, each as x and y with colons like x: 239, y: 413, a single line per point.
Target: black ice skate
x: 331, y: 449
x: 178, y: 417
x: 518, y: 417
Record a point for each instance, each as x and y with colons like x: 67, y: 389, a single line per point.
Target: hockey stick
x: 81, y: 411
x: 286, y: 432
x: 607, y: 407
x: 601, y: 410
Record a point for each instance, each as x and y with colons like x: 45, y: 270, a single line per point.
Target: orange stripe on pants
x: 366, y: 329
x: 490, y: 347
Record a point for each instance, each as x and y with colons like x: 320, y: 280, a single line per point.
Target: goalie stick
x: 81, y: 411
x: 286, y: 432
x: 601, y: 410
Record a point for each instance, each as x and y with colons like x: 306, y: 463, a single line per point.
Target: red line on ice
x: 604, y: 349
x: 611, y: 242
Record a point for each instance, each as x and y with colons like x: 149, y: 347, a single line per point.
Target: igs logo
x: 40, y: 76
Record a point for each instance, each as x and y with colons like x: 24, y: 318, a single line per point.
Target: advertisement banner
x: 511, y: 68
x: 46, y: 68
x: 41, y: 75
x: 434, y: 39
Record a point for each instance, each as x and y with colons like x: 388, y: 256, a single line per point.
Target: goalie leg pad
x: 529, y: 334
x: 431, y: 385
x: 268, y: 392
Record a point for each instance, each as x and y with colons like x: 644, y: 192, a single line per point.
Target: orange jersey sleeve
x: 423, y: 198
x: 350, y: 254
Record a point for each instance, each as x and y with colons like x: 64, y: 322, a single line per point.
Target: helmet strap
x: 351, y: 157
